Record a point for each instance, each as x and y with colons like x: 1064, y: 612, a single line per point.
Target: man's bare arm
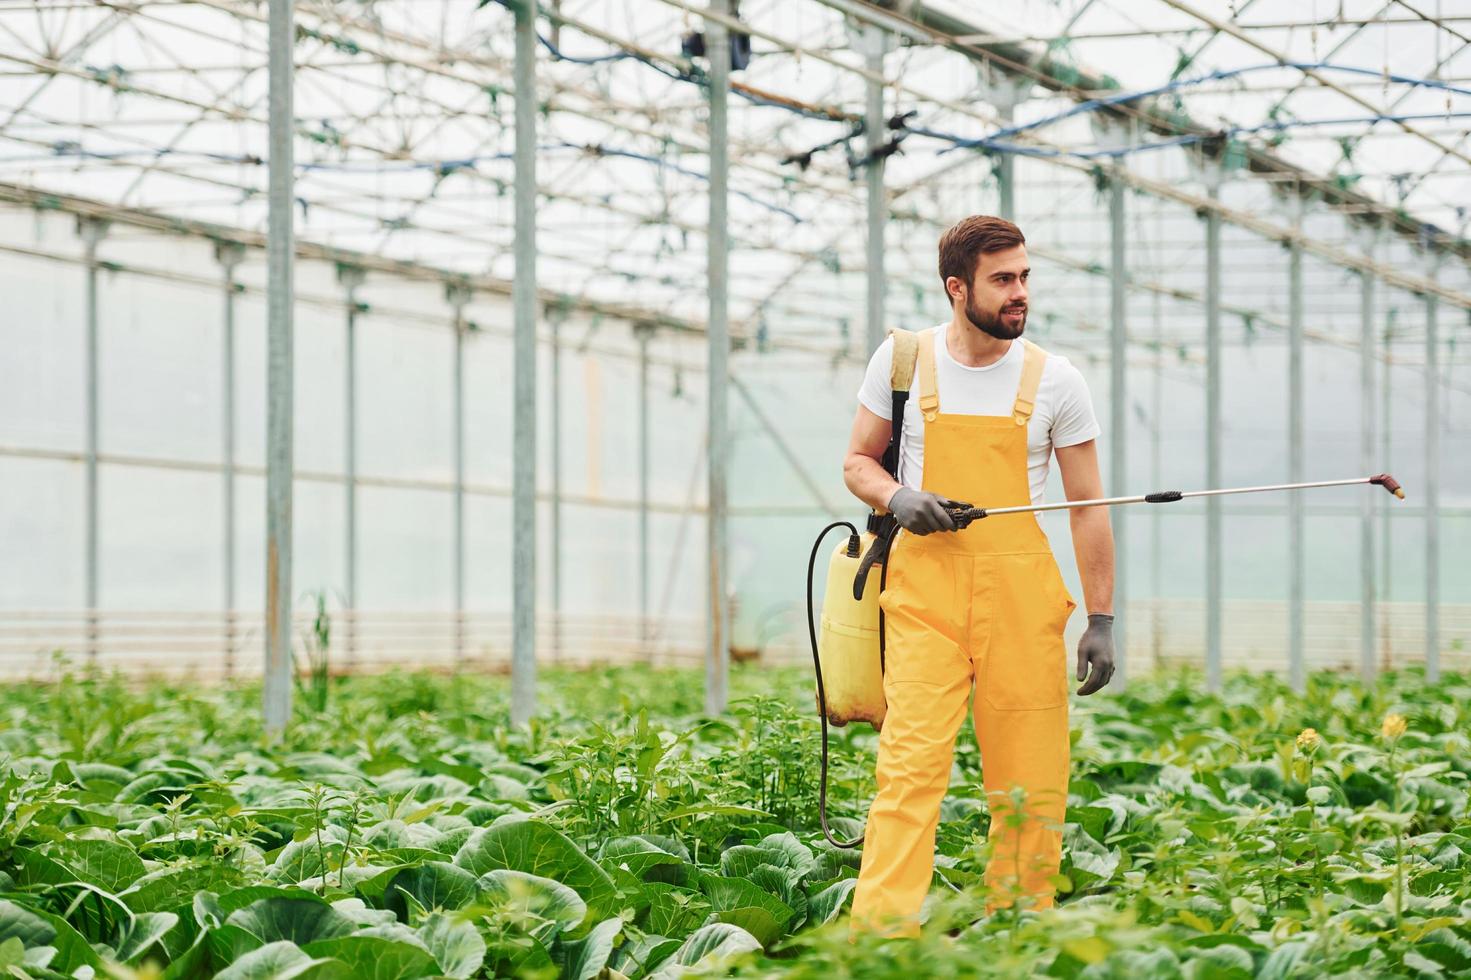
x: 863, y: 468
x: 1092, y: 530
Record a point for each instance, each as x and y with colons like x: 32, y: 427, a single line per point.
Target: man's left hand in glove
x: 1095, y: 651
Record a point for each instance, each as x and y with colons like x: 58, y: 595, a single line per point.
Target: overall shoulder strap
x: 929, y: 393
x: 1026, y: 392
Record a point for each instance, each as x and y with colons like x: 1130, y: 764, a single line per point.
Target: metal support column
x: 1432, y: 481
x: 523, y: 298
x: 876, y: 128
x: 1367, y: 451
x: 1006, y: 170
x: 280, y: 248
x: 1386, y: 463
x: 458, y: 297
x: 717, y: 649
x: 92, y: 232
x: 229, y: 255
x: 1119, y: 419
x: 1296, y: 504
x: 1213, y: 434
x: 1156, y: 478
x: 644, y: 334
x: 556, y: 318
x: 351, y: 278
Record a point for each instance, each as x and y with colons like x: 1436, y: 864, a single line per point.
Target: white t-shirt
x: 1063, y: 415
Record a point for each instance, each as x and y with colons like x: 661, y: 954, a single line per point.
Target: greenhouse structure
x: 1249, y: 234
x: 416, y: 417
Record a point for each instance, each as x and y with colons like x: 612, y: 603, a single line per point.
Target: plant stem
x: 1399, y: 896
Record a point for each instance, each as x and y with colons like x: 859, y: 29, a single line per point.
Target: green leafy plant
x: 316, y: 643
x: 412, y: 831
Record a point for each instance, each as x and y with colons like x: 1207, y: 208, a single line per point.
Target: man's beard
x: 990, y: 323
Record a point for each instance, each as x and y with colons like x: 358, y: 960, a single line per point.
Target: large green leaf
x: 282, y: 961
x: 377, y: 958
x: 636, y: 854
x: 831, y: 862
x: 673, y: 911
x: 146, y: 929
x: 583, y: 959
x: 367, y: 880
x: 782, y: 884
x: 72, y: 949
x: 455, y: 943
x: 827, y: 903
x: 535, y: 848
x: 1087, y: 861
x: 297, y: 920
x: 168, y: 888
x: 707, y: 945
x: 108, y: 864
x: 742, y: 903
x: 239, y: 898
x: 302, y: 859
x: 35, y: 868
x: 639, y: 956
x: 362, y: 913
x: 781, y: 850
x: 433, y: 885
x: 21, y: 923
x: 546, y: 907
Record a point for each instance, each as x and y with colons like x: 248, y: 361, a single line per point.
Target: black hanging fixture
x: 692, y: 45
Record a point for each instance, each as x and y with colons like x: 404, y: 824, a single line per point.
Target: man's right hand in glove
x: 919, y: 512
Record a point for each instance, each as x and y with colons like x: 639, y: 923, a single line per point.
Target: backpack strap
x: 906, y: 349
x: 1026, y: 392
x: 901, y: 375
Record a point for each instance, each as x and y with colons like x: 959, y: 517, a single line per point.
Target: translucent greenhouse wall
x: 161, y: 567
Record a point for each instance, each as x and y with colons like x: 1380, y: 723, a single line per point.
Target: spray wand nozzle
x: 1389, y: 483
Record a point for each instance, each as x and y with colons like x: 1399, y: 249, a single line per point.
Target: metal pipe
x: 1432, y: 482
x: 523, y: 297
x: 875, y: 128
x: 968, y: 513
x: 229, y: 256
x: 458, y: 296
x: 717, y: 649
x: 1006, y: 169
x: 1213, y: 581
x: 1119, y: 416
x: 352, y: 278
x: 644, y: 333
x: 280, y: 251
x: 92, y: 233
x: 1367, y: 597
x: 1156, y: 470
x: 556, y: 317
x: 1296, y: 553
x: 1385, y: 517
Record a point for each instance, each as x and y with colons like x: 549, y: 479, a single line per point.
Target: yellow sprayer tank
x: 848, y: 644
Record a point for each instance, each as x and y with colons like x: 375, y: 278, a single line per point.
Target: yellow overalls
x: 985, y: 604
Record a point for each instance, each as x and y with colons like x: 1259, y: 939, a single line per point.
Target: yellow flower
x: 1394, y: 726
x: 1308, y: 741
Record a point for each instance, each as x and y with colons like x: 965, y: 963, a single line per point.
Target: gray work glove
x: 919, y: 512
x: 1095, y: 649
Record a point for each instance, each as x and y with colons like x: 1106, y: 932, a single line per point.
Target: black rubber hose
x: 822, y: 691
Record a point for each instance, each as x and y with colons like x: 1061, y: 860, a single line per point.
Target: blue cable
x: 1122, y: 98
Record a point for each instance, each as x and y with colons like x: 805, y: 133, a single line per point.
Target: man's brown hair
x: 963, y: 243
